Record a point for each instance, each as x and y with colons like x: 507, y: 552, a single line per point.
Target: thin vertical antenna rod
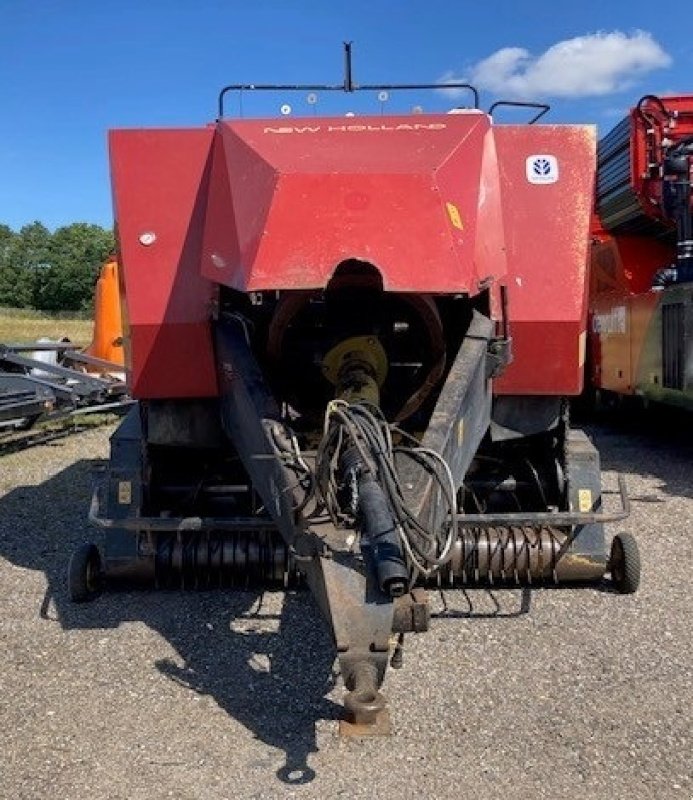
x: 348, y: 81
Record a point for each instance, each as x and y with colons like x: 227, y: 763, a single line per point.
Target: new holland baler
x: 351, y: 340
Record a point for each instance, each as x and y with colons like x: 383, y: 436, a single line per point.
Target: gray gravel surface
x: 232, y: 695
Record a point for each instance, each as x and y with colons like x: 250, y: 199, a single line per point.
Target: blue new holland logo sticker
x: 542, y: 169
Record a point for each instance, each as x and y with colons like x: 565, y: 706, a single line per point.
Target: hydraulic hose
x: 379, y: 531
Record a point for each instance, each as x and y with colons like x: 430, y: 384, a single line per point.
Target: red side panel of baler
x: 547, y: 230
x: 160, y: 185
x: 417, y: 197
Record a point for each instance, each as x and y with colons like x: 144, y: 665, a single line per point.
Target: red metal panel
x: 547, y: 359
x: 172, y: 360
x: 418, y: 197
x: 160, y: 184
x: 626, y: 264
x: 547, y: 226
x: 426, y: 201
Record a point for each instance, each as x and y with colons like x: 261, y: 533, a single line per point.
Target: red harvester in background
x: 641, y: 309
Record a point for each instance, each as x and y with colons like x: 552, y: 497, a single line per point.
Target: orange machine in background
x: 107, y: 340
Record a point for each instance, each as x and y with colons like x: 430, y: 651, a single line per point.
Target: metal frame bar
x: 365, y: 87
x: 67, y: 390
x: 39, y: 346
x: 347, y: 86
x: 93, y: 361
x: 56, y: 369
x: 536, y: 518
x: 554, y: 519
x: 173, y: 524
x: 544, y: 108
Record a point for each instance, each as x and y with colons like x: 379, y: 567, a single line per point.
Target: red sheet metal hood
x: 417, y: 197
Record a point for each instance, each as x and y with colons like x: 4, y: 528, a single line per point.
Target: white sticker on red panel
x: 542, y: 169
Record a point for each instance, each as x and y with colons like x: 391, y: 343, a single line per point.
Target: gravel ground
x: 232, y: 695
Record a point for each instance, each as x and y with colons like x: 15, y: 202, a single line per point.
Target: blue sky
x: 72, y: 69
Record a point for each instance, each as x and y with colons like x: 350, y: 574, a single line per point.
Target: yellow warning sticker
x: 585, y: 500
x: 460, y: 432
x: 454, y: 214
x: 124, y: 493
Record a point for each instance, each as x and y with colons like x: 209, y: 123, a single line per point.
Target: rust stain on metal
x: 382, y: 726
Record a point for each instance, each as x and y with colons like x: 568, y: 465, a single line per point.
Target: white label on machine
x: 542, y: 169
x: 615, y: 320
x: 124, y: 493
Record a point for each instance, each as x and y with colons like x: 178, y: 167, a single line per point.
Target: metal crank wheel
x: 85, y: 573
x: 624, y: 563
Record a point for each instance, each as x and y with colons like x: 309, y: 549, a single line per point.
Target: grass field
x: 23, y: 325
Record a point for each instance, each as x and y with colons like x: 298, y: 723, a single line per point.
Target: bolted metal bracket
x: 412, y: 613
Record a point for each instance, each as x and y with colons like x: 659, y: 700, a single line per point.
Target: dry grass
x: 22, y: 325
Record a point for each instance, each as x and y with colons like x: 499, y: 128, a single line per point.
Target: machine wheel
x: 84, y: 573
x: 624, y: 563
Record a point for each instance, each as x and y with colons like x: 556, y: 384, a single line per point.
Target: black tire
x: 84, y: 574
x: 624, y: 563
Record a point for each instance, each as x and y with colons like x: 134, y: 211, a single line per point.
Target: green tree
x: 7, y: 236
x: 75, y: 255
x: 53, y: 272
x: 8, y: 278
x: 20, y: 255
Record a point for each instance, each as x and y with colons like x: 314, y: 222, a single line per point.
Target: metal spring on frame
x: 518, y: 555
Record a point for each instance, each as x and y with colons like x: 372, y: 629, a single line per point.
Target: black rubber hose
x: 379, y: 530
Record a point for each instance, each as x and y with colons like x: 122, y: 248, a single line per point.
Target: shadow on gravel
x: 657, y: 442
x: 271, y: 673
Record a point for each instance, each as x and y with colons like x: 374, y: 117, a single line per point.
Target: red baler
x: 352, y: 340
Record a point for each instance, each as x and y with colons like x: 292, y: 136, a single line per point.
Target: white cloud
x: 594, y: 64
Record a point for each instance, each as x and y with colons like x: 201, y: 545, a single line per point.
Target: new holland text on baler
x: 352, y: 340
